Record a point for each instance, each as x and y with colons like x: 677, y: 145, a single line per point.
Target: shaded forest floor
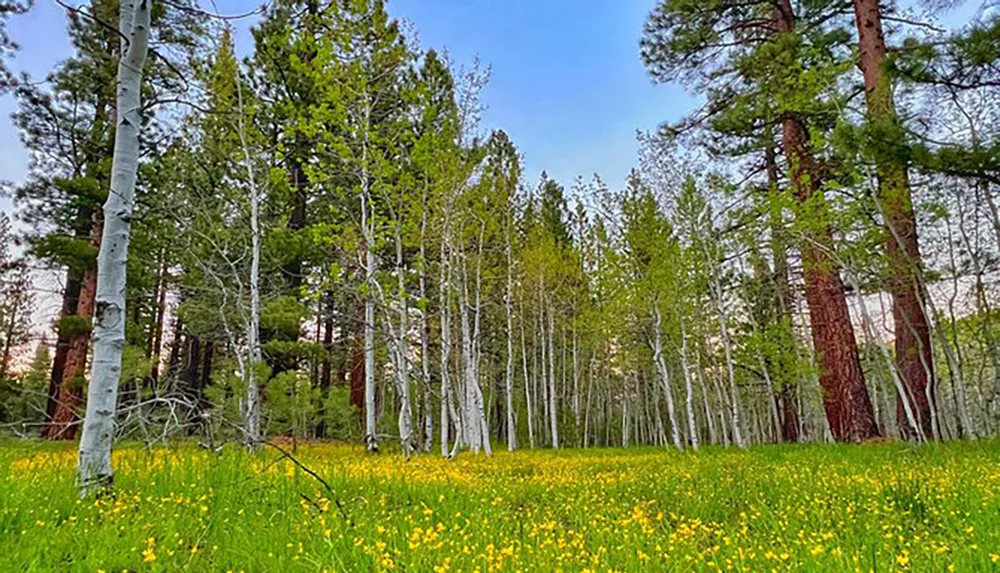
x: 884, y: 507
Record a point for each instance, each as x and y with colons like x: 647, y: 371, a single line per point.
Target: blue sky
x: 567, y: 83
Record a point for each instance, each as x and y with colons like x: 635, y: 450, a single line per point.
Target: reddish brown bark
x: 71, y: 296
x: 789, y: 415
x: 914, y: 355
x: 69, y: 397
x: 845, y: 395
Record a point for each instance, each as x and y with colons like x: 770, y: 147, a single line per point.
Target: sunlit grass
x: 808, y: 508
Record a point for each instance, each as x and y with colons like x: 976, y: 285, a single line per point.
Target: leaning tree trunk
x: 94, y: 465
x: 845, y: 396
x: 664, y: 374
x: 914, y: 355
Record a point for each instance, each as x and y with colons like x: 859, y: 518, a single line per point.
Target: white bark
x: 688, y: 389
x: 553, y: 412
x: 473, y: 435
x: 661, y: 369
x: 368, y: 230
x: 527, y: 385
x: 401, y: 345
x: 445, y: 290
x: 251, y: 408
x: 771, y: 400
x: 734, y: 411
x: 876, y: 338
x: 425, y: 353
x: 576, y: 382
x: 509, y: 381
x: 477, y: 403
x: 94, y: 464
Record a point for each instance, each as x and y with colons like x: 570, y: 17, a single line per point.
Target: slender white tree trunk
x: 509, y: 381
x: 425, y: 353
x: 477, y: 394
x: 576, y: 383
x: 368, y: 228
x: 527, y: 385
x: 94, y: 464
x: 251, y: 409
x: 402, y: 352
x: 472, y: 430
x: 625, y: 412
x: 771, y: 401
x: 446, y: 402
x: 661, y: 368
x: 553, y: 404
x: 954, y: 368
x: 721, y: 399
x: 688, y: 389
x: 727, y: 345
x: 876, y: 338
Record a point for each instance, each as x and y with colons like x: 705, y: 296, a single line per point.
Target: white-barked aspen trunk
x: 94, y: 469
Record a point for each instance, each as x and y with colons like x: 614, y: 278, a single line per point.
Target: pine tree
x: 760, y: 47
x: 886, y: 144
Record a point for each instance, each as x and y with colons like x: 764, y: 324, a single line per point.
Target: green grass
x: 885, y: 507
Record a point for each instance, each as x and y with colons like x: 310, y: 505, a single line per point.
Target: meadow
x: 883, y: 507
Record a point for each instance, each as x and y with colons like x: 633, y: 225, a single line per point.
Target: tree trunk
x: 161, y: 310
x: 553, y: 404
x: 444, y: 292
x: 527, y: 386
x: 914, y: 355
x: 371, y: 438
x: 94, y: 467
x: 727, y: 346
x: 326, y: 366
x: 845, y: 395
x: 71, y: 297
x: 509, y: 374
x: 911, y: 428
x: 401, y: 345
x: 661, y: 369
x: 69, y: 396
x: 789, y: 415
x: 206, y: 366
x: 688, y: 389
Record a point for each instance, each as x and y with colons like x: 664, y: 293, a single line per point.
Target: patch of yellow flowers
x: 884, y: 508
